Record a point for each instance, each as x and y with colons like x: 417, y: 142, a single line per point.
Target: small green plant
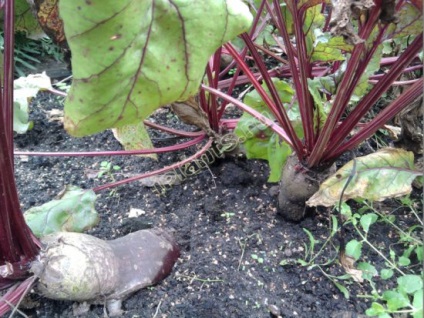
x: 232, y: 71
x: 257, y: 258
x: 227, y: 216
x: 107, y: 169
x: 407, y: 296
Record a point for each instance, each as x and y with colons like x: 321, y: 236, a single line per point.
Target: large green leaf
x: 384, y: 174
x: 72, y: 212
x: 259, y: 141
x: 130, y: 57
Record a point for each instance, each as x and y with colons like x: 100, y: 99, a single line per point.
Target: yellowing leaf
x: 384, y: 174
x: 134, y: 137
x: 130, y: 57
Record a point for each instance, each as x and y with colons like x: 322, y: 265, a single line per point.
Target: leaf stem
x: 159, y: 171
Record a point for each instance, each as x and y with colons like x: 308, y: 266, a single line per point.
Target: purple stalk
x: 8, y: 66
x: 234, y: 80
x: 156, y: 172
x: 342, y: 131
x: 114, y: 153
x: 16, y: 232
x: 306, y: 103
x: 18, y: 246
x: 265, y: 120
x: 287, y: 131
x: 174, y: 131
x: 300, y: 68
x: 15, y: 294
x: 409, y: 96
x: 355, y: 68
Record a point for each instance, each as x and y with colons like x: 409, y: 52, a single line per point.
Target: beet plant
x: 331, y: 72
x: 128, y: 58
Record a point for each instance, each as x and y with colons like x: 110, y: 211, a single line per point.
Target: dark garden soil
x: 224, y: 219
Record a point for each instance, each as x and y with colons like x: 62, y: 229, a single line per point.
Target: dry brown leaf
x: 54, y: 115
x: 344, y: 12
x: 348, y: 263
x: 190, y: 113
x: 393, y: 131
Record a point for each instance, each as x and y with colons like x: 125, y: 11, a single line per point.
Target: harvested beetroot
x: 83, y: 268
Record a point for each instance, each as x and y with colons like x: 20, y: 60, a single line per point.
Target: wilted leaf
x: 189, y: 111
x: 342, y: 18
x: 72, y: 212
x: 384, y: 174
x: 25, y: 88
x: 348, y: 265
x: 50, y: 21
x: 134, y: 137
x: 393, y: 131
x: 131, y: 57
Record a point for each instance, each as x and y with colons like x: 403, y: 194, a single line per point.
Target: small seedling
x: 227, y: 216
x: 232, y: 71
x: 257, y: 258
x: 106, y: 168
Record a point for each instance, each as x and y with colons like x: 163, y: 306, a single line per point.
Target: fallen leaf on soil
x: 54, y: 115
x: 384, y: 174
x: 72, y: 211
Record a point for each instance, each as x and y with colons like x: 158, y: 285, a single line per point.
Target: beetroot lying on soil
x: 83, y: 268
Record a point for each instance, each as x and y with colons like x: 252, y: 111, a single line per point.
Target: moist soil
x: 224, y: 219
